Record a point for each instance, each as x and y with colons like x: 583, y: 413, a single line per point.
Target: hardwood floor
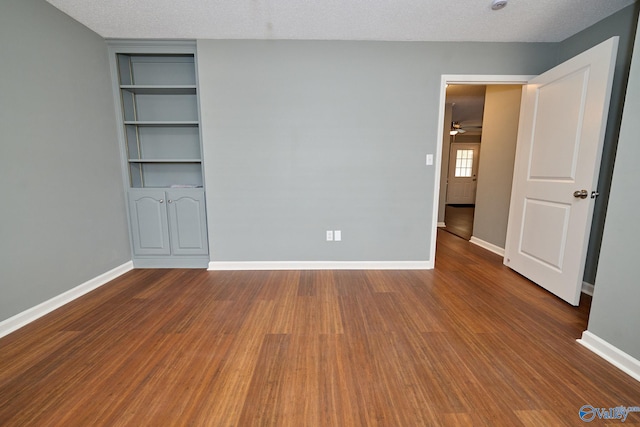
x: 459, y: 220
x: 469, y: 343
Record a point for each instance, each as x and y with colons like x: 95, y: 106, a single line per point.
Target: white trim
x: 472, y: 79
x: 488, y: 246
x: 29, y: 315
x: 320, y: 265
x: 611, y: 354
x: 157, y: 46
x: 487, y: 79
x: 442, y: 224
x: 587, y: 288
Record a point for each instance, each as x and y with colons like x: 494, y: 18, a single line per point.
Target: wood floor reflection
x: 459, y: 220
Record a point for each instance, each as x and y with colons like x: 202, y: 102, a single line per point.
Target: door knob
x: 161, y: 201
x: 582, y: 194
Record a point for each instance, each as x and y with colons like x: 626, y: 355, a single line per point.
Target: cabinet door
x: 187, y: 222
x: 149, y: 225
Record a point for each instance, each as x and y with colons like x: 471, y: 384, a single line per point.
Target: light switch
x: 329, y: 235
x: 337, y: 235
x: 429, y: 159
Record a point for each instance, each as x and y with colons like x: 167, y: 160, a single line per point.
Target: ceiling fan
x: 459, y: 128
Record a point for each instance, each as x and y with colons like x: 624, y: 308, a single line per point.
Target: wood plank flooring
x: 469, y: 343
x: 459, y: 220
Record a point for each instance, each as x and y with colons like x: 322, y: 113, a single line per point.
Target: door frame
x: 459, y: 79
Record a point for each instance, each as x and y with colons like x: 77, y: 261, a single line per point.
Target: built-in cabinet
x: 171, y: 222
x: 155, y: 86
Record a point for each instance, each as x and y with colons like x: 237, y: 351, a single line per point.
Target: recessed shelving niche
x: 160, y: 118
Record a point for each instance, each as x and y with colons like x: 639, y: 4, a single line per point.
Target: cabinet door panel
x: 149, y: 225
x: 187, y: 222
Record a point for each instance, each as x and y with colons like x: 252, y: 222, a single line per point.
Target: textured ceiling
x: 420, y: 20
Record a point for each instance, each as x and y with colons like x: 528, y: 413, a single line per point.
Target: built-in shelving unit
x: 159, y: 100
x: 156, y: 90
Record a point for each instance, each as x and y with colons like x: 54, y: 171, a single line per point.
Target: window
x: 464, y: 163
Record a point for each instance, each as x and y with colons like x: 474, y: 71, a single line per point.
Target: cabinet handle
x: 161, y: 200
x: 169, y: 201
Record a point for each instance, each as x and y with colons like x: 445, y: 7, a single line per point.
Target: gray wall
x: 63, y: 213
x: 622, y: 24
x: 497, y: 156
x: 302, y: 136
x: 615, y: 316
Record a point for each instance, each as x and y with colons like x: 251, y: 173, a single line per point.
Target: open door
x: 561, y: 132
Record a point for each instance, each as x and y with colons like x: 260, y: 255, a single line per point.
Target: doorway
x: 461, y: 156
x: 489, y: 172
x: 446, y: 128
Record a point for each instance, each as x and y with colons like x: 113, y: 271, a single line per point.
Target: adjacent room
x: 319, y: 214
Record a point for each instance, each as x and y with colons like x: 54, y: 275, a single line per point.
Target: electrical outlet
x: 429, y: 159
x: 329, y: 235
x: 337, y: 235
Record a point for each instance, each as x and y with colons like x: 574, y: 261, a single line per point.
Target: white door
x: 463, y: 170
x: 560, y: 136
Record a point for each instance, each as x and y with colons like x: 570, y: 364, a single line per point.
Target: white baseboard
x: 611, y: 354
x: 29, y: 315
x: 587, y: 288
x: 488, y: 246
x: 441, y: 225
x: 321, y: 265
